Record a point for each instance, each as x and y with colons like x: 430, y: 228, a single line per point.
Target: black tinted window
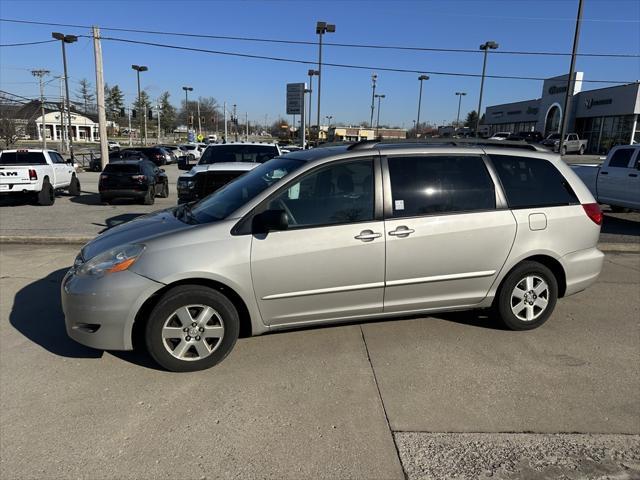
x: 621, y: 158
x: 238, y: 153
x: 340, y: 193
x: 122, y: 168
x: 439, y: 184
x: 22, y: 158
x: 532, y: 182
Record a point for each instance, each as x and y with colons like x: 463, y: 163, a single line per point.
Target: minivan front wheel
x: 191, y: 328
x: 527, y: 296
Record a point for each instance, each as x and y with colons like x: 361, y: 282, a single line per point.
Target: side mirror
x: 270, y: 220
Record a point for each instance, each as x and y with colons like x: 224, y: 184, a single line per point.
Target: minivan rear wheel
x: 527, y: 296
x: 192, y: 328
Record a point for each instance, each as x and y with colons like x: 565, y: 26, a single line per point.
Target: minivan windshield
x: 232, y: 196
x: 238, y: 153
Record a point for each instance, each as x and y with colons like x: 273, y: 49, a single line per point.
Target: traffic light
x: 133, y: 113
x: 150, y: 114
x: 121, y: 112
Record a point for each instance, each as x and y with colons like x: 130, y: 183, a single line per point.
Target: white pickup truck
x: 38, y: 173
x: 617, y: 181
x: 572, y: 143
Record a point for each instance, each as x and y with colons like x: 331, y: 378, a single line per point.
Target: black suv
x: 138, y: 179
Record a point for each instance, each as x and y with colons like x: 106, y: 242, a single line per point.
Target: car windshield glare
x: 238, y: 153
x: 223, y: 202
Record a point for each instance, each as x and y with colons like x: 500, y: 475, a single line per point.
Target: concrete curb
x: 606, y: 247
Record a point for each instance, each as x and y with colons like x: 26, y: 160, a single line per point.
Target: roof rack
x: 443, y: 142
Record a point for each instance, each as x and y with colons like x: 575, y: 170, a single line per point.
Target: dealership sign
x: 590, y: 102
x: 295, y: 98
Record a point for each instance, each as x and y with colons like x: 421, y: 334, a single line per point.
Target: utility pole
x: 199, y: 119
x: 43, y: 128
x: 246, y: 125
x: 570, y: 80
x: 374, y: 79
x: 225, y: 122
x: 234, y: 120
x: 130, y: 140
x: 102, y: 114
x: 158, y: 123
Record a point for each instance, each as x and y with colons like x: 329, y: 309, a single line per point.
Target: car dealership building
x: 605, y: 116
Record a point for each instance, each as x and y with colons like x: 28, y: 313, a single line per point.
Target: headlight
x: 114, y: 260
x: 186, y: 184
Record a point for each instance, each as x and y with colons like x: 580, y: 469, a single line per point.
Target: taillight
x: 593, y: 212
x: 138, y: 178
x: 159, y: 156
x: 33, y: 175
x: 103, y: 177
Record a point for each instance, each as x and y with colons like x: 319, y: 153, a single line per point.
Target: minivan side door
x: 618, y: 180
x: 448, y: 232
x: 329, y: 264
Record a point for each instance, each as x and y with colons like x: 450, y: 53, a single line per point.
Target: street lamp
x: 374, y: 79
x: 486, y: 46
x: 321, y: 29
x: 138, y: 69
x: 460, y: 95
x: 311, y: 74
x: 379, y: 97
x: 186, y: 106
x: 66, y: 39
x: 420, y: 78
x: 328, y: 117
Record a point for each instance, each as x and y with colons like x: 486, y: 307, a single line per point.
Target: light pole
x: 328, y: 117
x: 234, y: 121
x: 379, y: 97
x: 186, y: 106
x: 138, y: 69
x: 321, y: 29
x: 486, y: 46
x: 158, y: 107
x: 460, y: 95
x: 374, y: 79
x: 311, y: 74
x: 66, y: 39
x: 420, y: 78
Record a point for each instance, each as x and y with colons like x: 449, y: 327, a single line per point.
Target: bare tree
x: 8, y: 131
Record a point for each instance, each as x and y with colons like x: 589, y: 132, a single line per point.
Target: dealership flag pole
x: 570, y: 80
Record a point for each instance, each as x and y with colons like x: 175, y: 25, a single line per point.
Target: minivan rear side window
x: 532, y: 182
x: 439, y: 184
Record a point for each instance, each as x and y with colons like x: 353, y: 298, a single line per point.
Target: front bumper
x: 99, y: 311
x: 582, y: 269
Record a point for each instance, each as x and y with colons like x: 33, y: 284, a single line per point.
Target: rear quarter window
x: 532, y: 182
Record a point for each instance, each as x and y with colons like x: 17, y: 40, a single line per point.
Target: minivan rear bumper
x: 582, y: 269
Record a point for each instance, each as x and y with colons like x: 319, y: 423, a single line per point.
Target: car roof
x: 263, y: 144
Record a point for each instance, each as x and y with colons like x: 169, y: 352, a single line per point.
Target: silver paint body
x: 324, y: 274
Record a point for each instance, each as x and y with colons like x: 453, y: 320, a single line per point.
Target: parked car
x: 500, y: 136
x: 572, y: 143
x: 138, y: 179
x: 529, y: 137
x: 617, y: 181
x: 220, y: 164
x: 175, y: 151
x: 95, y: 164
x: 340, y: 234
x: 38, y: 173
x: 212, y: 138
x: 113, y: 145
x: 191, y: 148
x: 156, y: 154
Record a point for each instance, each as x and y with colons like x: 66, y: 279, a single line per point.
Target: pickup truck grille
x: 209, y: 182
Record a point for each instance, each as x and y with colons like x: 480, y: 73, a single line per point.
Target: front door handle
x: 402, y: 231
x: 604, y: 173
x: 367, y: 236
x: 633, y: 174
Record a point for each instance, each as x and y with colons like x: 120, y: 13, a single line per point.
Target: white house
x: 83, y: 128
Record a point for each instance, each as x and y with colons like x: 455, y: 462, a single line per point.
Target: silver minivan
x: 340, y: 234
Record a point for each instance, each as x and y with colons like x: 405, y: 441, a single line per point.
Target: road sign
x: 200, y: 137
x: 295, y: 98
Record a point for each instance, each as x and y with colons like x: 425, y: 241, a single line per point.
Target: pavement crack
x: 384, y: 408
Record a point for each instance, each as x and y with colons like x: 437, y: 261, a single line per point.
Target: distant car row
x: 571, y: 144
x: 158, y: 154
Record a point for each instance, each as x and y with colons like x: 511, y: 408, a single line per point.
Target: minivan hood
x: 137, y: 230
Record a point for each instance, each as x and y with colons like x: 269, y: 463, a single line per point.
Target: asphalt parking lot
x: 448, y: 396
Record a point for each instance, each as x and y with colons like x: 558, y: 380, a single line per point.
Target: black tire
x: 504, y: 298
x: 171, y: 301
x: 46, y: 196
x: 564, y: 150
x: 104, y: 199
x: 74, y: 186
x: 581, y: 151
x: 150, y: 196
x: 164, y: 193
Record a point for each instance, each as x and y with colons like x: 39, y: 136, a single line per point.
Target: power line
x: 333, y: 44
x: 27, y: 43
x: 339, y: 65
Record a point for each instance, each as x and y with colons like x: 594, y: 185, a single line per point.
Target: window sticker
x: 399, y: 204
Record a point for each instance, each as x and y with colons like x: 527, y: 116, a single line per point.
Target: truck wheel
x: 74, y: 186
x: 564, y: 150
x: 150, y: 196
x: 191, y: 328
x: 46, y: 196
x: 527, y: 296
x: 581, y: 151
x: 164, y: 193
